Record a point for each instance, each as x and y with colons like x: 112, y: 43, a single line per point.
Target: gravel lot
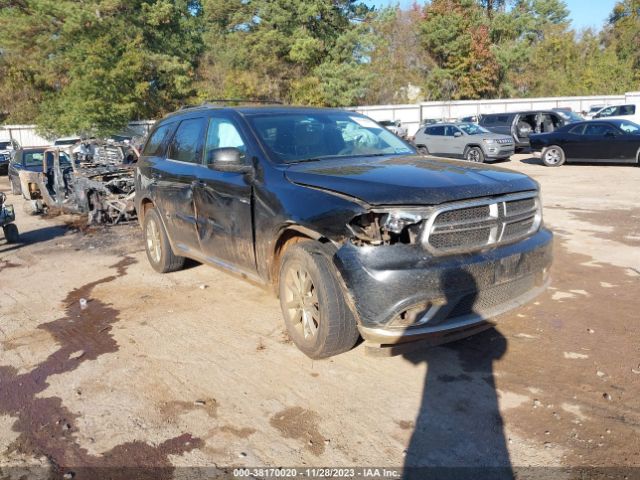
x: 193, y: 368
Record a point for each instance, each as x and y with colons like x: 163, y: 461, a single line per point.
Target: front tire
x: 15, y: 186
x: 553, y: 156
x: 475, y: 154
x: 157, y: 246
x: 11, y: 233
x: 315, y: 312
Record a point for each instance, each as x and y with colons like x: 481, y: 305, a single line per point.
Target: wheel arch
x: 288, y: 236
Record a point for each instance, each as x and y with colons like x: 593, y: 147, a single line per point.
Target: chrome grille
x: 475, y: 225
x: 504, y: 141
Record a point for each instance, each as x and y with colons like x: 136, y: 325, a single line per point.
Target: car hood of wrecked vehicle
x: 408, y: 180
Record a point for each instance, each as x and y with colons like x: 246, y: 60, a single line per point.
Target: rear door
x: 176, y: 177
x: 223, y: 200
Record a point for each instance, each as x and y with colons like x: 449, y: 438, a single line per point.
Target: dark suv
x: 357, y: 233
x: 520, y: 125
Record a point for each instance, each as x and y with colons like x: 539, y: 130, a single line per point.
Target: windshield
x: 629, y: 127
x: 296, y: 137
x: 34, y: 158
x: 472, y: 129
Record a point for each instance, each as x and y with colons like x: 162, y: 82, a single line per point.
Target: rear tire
x: 11, y: 233
x: 157, y: 245
x: 422, y: 150
x: 15, y: 186
x: 475, y: 154
x: 553, y: 156
x: 315, y: 312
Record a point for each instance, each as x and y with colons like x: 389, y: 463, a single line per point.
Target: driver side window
x: 222, y: 133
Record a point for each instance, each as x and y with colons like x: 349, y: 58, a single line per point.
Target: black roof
x: 257, y: 109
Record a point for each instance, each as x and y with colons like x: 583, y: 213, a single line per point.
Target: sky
x: 584, y: 13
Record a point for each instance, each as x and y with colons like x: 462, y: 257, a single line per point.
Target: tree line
x: 92, y: 66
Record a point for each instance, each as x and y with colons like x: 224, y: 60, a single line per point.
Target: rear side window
x: 188, y: 141
x: 627, y: 110
x: 495, y: 120
x: 438, y: 131
x: 156, y: 143
x: 579, y: 130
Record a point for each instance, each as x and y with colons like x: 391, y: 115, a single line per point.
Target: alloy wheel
x: 552, y: 156
x: 301, y: 301
x: 473, y: 155
x: 154, y: 245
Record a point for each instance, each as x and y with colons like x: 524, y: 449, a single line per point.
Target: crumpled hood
x: 409, y: 180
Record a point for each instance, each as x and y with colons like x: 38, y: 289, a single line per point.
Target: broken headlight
x: 387, y: 227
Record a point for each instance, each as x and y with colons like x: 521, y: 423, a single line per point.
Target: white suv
x: 629, y: 111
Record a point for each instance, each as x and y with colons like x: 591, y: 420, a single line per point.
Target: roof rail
x: 231, y: 100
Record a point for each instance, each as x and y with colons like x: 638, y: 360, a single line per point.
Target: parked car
x: 593, y: 110
x: 7, y: 151
x: 471, y: 119
x: 591, y: 141
x: 520, y: 125
x: 463, y: 140
x: 31, y: 159
x: 628, y: 111
x: 357, y: 233
x: 569, y: 115
x: 395, y: 127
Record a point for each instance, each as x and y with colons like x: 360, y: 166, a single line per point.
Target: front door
x: 602, y: 143
x: 223, y: 202
x: 176, y: 179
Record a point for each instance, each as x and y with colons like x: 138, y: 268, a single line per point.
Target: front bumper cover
x: 458, y: 291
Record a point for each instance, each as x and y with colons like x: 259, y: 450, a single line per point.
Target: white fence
x: 412, y: 116
x: 27, y: 136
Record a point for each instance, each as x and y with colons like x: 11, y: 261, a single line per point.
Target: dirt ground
x: 193, y: 368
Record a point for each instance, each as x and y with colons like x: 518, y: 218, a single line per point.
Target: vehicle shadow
x: 459, y: 432
x: 538, y: 161
x: 32, y: 237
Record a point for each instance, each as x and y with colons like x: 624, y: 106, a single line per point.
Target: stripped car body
x: 102, y: 190
x: 422, y: 248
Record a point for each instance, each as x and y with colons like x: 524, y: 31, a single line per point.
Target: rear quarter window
x: 157, y: 142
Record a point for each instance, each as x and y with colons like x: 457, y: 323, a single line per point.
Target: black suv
x: 357, y: 233
x: 522, y: 124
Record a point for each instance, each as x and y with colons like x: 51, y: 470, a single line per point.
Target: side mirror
x: 457, y: 134
x: 229, y: 160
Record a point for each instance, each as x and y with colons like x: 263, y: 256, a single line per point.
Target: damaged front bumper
x: 401, y: 293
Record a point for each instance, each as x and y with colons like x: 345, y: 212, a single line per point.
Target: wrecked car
x: 7, y: 217
x: 49, y: 179
x: 356, y: 232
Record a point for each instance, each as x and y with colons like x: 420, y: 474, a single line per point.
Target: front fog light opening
x: 416, y: 315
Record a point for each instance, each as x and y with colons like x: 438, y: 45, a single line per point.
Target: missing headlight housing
x: 386, y: 228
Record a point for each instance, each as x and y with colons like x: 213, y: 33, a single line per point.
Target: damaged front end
x: 415, y: 272
x: 103, y: 190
